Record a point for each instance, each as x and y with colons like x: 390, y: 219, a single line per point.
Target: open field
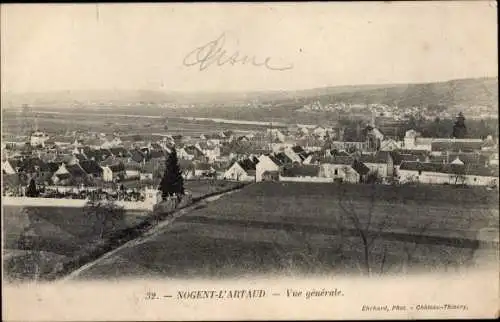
x: 300, y: 228
x: 48, y: 235
x: 37, y: 239
x: 133, y: 124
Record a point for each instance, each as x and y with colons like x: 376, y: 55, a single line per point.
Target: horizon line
x: 246, y: 91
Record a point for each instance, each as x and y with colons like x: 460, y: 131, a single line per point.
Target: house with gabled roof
x: 343, y: 168
x: 266, y: 163
x: 283, y: 158
x: 382, y: 162
x: 390, y: 145
x: 153, y: 168
x: 69, y: 173
x: 92, y: 168
x: 75, y: 158
x: 120, y: 152
x: 194, y: 153
x: 211, y: 152
x: 132, y: 170
x: 292, y: 155
x: 11, y: 166
x: 320, y: 131
x: 361, y: 169
x: 203, y: 169
x: 29, y: 165
x: 107, y: 141
x: 275, y: 135
x: 137, y: 156
x: 242, y: 170
x: 489, y: 144
x: 97, y: 155
x: 113, y: 173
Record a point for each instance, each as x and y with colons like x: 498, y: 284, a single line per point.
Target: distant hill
x: 467, y: 92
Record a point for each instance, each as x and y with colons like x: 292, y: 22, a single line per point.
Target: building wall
x: 7, y: 168
x: 145, y: 176
x: 305, y: 179
x: 344, y: 172
x: 341, y: 145
x: 278, y: 147
x: 265, y: 164
x: 381, y: 168
x: 107, y: 174
x: 129, y: 174
x: 413, y: 144
x: 74, y: 203
x: 406, y: 176
x: 237, y: 173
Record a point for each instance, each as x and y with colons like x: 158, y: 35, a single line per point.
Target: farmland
x: 36, y: 239
x: 294, y: 228
x: 131, y: 125
x: 44, y: 236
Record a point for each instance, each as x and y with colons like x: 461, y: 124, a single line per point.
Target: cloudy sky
x: 131, y: 46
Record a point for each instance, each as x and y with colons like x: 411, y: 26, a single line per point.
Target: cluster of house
x: 391, y: 111
x: 298, y: 153
x: 415, y: 159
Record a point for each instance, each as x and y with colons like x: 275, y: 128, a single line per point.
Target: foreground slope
x: 286, y: 228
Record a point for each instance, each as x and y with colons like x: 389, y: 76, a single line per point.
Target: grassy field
x: 293, y: 228
x: 129, y: 126
x: 46, y: 236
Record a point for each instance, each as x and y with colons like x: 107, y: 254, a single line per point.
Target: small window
x: 419, y: 172
x: 336, y: 172
x: 475, y: 179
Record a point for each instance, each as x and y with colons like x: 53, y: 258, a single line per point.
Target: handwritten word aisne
x: 214, y: 52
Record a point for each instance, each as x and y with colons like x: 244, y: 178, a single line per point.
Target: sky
x: 50, y: 47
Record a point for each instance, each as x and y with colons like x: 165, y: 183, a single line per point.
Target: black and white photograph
x: 250, y: 161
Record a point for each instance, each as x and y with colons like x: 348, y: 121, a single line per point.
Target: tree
x: 458, y: 174
x: 105, y: 215
x: 172, y: 182
x: 369, y: 227
x: 459, y: 129
x: 32, y: 191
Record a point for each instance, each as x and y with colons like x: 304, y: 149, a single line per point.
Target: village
x: 126, y: 169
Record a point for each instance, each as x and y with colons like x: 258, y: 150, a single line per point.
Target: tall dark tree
x: 459, y: 129
x: 172, y: 181
x: 32, y: 191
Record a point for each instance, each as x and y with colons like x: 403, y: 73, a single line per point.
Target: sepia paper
x: 304, y: 234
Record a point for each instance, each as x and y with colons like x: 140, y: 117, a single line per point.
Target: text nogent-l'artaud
x: 220, y: 294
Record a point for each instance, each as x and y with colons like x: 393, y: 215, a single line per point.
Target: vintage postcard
x: 250, y: 161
